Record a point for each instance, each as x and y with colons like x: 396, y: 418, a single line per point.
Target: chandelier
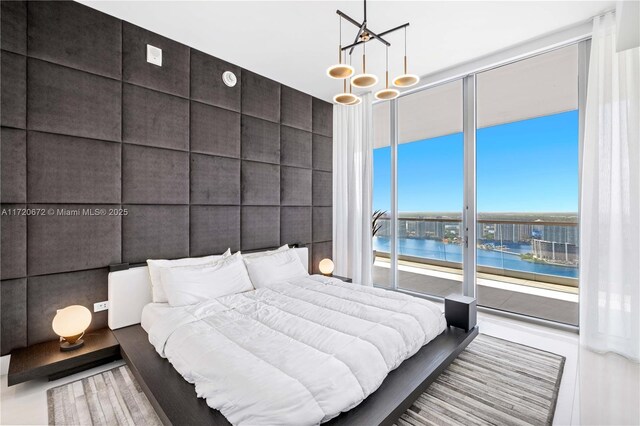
x: 364, y: 80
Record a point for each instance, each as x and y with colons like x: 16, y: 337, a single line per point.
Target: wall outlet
x: 100, y: 306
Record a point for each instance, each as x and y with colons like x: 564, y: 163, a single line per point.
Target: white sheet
x: 296, y: 352
x: 152, y: 313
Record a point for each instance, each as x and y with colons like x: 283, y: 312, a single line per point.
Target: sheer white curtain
x: 610, y: 198
x: 352, y: 187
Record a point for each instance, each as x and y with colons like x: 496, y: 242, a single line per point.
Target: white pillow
x: 155, y: 266
x: 265, y: 253
x: 188, y: 285
x: 278, y: 266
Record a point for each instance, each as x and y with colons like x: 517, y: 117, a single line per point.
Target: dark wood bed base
x: 175, y: 401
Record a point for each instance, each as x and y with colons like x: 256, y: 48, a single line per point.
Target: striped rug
x: 492, y: 382
x: 109, y: 398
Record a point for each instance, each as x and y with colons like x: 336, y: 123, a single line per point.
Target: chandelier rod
x: 358, y: 42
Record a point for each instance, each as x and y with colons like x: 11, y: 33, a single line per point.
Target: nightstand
x: 345, y: 279
x: 46, y: 359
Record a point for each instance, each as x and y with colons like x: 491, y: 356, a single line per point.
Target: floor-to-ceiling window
x: 430, y: 188
x: 381, y: 220
x: 526, y: 187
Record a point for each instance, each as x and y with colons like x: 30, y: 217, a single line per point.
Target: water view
x: 438, y: 250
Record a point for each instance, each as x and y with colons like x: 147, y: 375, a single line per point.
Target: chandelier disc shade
x: 340, y: 71
x: 364, y: 81
x: 346, y: 98
x: 387, y: 93
x: 406, y: 79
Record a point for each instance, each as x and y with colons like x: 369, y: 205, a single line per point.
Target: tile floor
x: 526, y: 300
x: 595, y: 389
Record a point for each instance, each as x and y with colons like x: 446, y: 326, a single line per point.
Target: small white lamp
x: 326, y: 267
x: 70, y: 323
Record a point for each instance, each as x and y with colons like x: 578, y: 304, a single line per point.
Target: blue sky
x: 526, y: 166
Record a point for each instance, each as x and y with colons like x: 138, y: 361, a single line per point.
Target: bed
x: 307, y: 350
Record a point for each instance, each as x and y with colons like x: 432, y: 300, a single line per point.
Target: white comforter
x: 298, y: 352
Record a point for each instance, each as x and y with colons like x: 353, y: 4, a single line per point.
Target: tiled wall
x: 88, y: 123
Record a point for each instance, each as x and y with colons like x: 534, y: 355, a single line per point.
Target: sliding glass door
x: 430, y: 188
x: 527, y: 186
x: 518, y: 128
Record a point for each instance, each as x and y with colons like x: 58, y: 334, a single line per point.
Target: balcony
x: 526, y: 267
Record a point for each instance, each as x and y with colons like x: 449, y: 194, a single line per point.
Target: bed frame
x: 175, y: 400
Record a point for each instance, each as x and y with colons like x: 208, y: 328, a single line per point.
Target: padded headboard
x: 130, y: 291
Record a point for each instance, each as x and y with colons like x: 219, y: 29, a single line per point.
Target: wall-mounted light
x: 229, y: 78
x: 70, y: 323
x: 326, y: 267
x: 154, y: 55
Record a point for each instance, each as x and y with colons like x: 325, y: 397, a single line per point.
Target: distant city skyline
x: 525, y: 166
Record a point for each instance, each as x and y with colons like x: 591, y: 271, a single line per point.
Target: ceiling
x: 294, y: 42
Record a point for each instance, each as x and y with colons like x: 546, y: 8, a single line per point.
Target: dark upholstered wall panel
x: 295, y: 147
x: 260, y: 184
x: 14, y: 90
x: 67, y: 101
x: 119, y: 160
x: 225, y: 220
x: 13, y: 27
x: 215, y: 131
x: 322, y: 117
x: 295, y: 186
x: 322, y: 153
x: 14, y: 242
x: 154, y: 175
x: 295, y: 109
x: 295, y: 224
x: 13, y: 314
x: 65, y: 239
x: 260, y: 140
x: 47, y: 293
x: 155, y: 232
x: 322, y: 224
x: 260, y: 227
x: 77, y: 37
x: 215, y: 180
x: 260, y: 97
x: 322, y: 188
x: 154, y: 118
x: 66, y: 169
x: 13, y: 157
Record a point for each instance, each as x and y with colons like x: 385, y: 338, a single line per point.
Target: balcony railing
x: 544, y: 251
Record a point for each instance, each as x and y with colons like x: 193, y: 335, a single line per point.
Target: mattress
x: 153, y: 312
x: 296, y: 352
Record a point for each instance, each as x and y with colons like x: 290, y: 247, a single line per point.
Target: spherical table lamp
x: 70, y: 323
x: 326, y: 267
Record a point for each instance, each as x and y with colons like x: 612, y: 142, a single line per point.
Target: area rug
x: 492, y: 381
x: 109, y: 398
